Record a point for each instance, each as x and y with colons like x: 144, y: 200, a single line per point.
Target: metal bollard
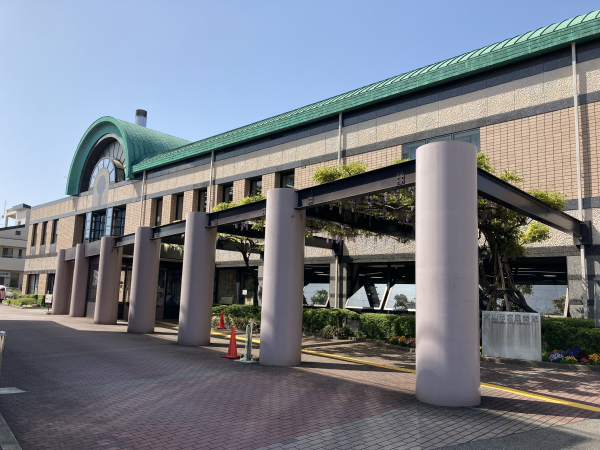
x: 2, y: 344
x: 248, y: 348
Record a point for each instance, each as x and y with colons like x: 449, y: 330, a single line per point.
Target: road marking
x: 10, y: 390
x: 544, y: 398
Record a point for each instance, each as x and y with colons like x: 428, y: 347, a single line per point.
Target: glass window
x: 409, y: 151
x: 86, y: 228
x: 255, y: 187
x: 471, y: 136
x: 370, y: 284
x: 158, y: 217
x: 116, y: 172
x: 227, y: 286
x: 50, y: 283
x: 179, y: 207
x: 118, y: 222
x: 20, y: 253
x: 7, y: 252
x: 316, y: 294
x: 202, y: 201
x: 32, y: 287
x: 14, y: 280
x: 287, y: 180
x: 228, y: 193
x: 54, y: 231
x: 44, y: 231
x: 98, y: 226
x: 34, y: 234
x: 402, y: 297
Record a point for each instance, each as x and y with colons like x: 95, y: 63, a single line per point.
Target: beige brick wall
x: 270, y: 181
x: 24, y: 285
x: 217, y: 194
x: 241, y: 189
x: 190, y: 202
x: 542, y: 150
x: 42, y: 282
x: 168, y: 212
x: 132, y: 217
x: 70, y: 231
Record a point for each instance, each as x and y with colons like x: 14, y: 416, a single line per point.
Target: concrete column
x: 197, y: 280
x: 109, y: 277
x: 80, y: 281
x: 281, y: 317
x: 446, y: 275
x: 144, y: 282
x: 62, y: 285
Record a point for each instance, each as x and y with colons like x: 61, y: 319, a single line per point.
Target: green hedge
x: 561, y: 334
x: 315, y: 320
x: 28, y: 299
x: 385, y: 326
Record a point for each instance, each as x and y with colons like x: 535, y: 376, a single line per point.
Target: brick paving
x: 94, y: 386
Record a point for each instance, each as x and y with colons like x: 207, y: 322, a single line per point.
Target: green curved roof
x: 139, y: 143
x: 542, y: 40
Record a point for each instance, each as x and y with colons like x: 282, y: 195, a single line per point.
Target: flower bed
x: 403, y: 341
x: 572, y: 356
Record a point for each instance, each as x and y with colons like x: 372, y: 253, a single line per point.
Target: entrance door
x: 92, y: 287
x: 160, y: 294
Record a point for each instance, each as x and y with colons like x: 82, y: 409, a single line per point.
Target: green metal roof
x: 542, y: 40
x: 139, y: 143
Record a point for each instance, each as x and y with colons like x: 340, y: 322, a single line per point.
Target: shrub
x: 570, y: 333
x: 331, y: 332
x: 377, y: 326
x: 315, y: 320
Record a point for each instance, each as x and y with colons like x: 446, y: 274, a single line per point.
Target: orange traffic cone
x: 232, y: 352
x: 221, y: 323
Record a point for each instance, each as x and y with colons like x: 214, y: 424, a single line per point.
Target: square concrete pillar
x: 109, y: 277
x: 197, y: 280
x: 80, y: 281
x: 144, y: 282
x: 283, y: 280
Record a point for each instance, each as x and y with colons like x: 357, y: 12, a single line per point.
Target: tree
x: 245, y: 245
x: 505, y: 235
x: 320, y: 297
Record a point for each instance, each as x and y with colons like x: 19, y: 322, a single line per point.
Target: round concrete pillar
x: 109, y: 276
x: 80, y: 281
x: 197, y: 280
x: 447, y: 275
x: 283, y: 280
x: 144, y: 282
x: 61, y: 297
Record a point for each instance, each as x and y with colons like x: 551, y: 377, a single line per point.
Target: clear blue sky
x: 203, y: 67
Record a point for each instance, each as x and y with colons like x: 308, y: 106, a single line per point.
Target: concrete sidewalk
x: 94, y: 386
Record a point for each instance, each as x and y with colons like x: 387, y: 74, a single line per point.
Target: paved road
x: 93, y: 386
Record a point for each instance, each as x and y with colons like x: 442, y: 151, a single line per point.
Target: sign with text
x: 511, y: 335
x: 48, y: 298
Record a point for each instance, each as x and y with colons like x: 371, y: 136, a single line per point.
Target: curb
x: 542, y: 364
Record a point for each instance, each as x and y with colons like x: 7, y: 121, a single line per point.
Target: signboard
x: 48, y: 298
x: 5, y: 274
x: 511, y: 335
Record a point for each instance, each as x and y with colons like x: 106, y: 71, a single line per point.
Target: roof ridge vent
x: 141, y: 117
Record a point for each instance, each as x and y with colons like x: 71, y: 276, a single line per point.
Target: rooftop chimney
x: 140, y: 117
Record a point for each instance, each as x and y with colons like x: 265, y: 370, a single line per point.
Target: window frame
x: 200, y: 206
x: 284, y: 175
x: 159, y: 212
x: 228, y: 187
x: 179, y: 199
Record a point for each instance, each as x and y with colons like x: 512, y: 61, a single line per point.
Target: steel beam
x: 244, y: 213
x: 372, y: 224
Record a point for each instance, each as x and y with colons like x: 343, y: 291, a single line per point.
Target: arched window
x: 115, y: 170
